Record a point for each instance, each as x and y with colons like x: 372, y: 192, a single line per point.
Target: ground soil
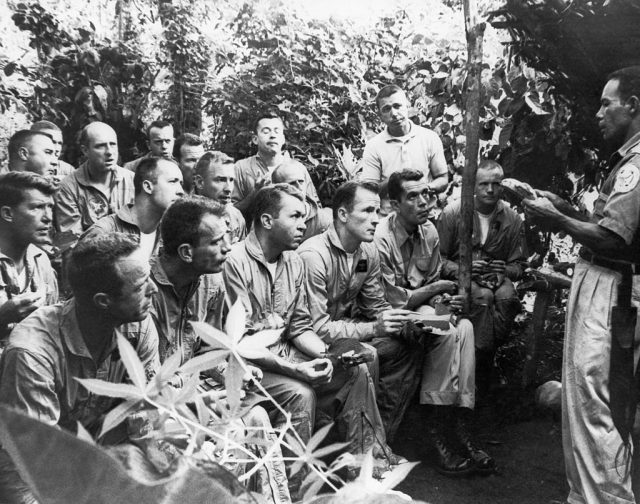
x: 528, y: 453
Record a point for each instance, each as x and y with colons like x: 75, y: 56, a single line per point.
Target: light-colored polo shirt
x: 421, y: 149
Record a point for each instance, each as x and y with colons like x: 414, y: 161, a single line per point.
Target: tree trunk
x: 475, y: 32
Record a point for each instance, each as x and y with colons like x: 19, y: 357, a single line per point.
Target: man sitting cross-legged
x: 265, y: 273
x: 317, y: 219
x: 56, y: 344
x: 410, y: 262
x: 213, y: 177
x: 346, y: 298
x: 190, y: 289
x: 157, y: 184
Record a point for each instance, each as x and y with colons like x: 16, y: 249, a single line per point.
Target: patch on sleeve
x: 627, y: 179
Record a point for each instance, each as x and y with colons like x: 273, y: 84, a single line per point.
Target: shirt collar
x: 126, y: 214
x: 388, y: 137
x: 334, y: 239
x: 30, y: 255
x: 400, y: 232
x: 254, y: 249
x: 158, y: 272
x: 82, y: 175
x: 628, y: 145
x: 70, y: 332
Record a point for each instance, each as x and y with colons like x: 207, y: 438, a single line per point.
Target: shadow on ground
x: 528, y: 453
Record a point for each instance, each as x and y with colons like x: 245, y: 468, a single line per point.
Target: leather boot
x: 483, y: 462
x: 448, y: 462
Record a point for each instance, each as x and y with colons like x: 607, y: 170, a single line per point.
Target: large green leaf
x: 63, y: 469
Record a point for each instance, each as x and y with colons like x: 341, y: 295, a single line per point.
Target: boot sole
x: 456, y: 474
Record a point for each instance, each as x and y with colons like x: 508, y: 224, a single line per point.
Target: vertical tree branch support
x: 475, y: 33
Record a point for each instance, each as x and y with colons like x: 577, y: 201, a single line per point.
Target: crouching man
x: 346, y: 298
x: 410, y: 259
x: 190, y: 289
x: 56, y: 344
x: 269, y: 278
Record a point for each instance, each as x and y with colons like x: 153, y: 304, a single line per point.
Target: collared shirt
x: 47, y: 351
x: 505, y: 239
x: 618, y: 205
x: 421, y: 149
x: 407, y: 262
x: 204, y: 301
x: 79, y: 203
x: 40, y: 278
x: 250, y: 169
x: 236, y: 224
x: 247, y: 278
x: 339, y: 294
x: 123, y: 221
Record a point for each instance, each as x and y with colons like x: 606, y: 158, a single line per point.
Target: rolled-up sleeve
x: 329, y: 330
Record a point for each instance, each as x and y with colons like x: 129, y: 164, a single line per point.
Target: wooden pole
x: 475, y: 33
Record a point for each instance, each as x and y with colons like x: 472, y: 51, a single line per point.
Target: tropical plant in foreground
x: 189, y: 429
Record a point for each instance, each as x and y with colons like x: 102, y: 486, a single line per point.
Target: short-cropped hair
x: 13, y: 186
x: 387, y: 91
x: 346, y: 194
x: 159, y: 125
x: 20, y: 139
x: 181, y: 222
x: 267, y: 114
x: 628, y: 81
x: 268, y: 200
x: 489, y: 164
x: 92, y: 265
x: 211, y: 158
x: 185, y: 139
x: 44, y: 126
x: 147, y: 169
x: 394, y: 184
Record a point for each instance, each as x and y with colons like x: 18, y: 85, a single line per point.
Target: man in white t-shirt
x: 403, y: 144
x: 157, y: 183
x: 498, y: 258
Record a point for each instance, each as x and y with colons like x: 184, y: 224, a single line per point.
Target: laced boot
x: 483, y: 462
x: 447, y: 461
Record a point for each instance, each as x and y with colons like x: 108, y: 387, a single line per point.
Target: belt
x: 622, y: 267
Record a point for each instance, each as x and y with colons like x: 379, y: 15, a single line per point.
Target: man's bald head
x: 100, y: 144
x: 293, y: 174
